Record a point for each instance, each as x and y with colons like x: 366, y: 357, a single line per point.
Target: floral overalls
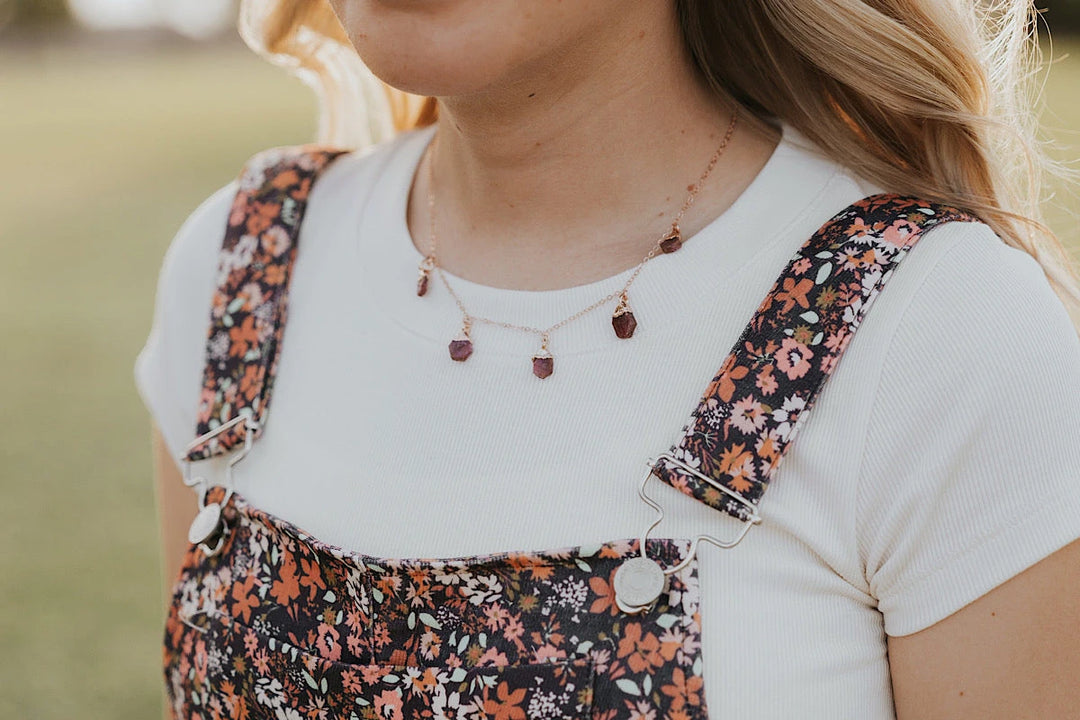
x: 269, y: 622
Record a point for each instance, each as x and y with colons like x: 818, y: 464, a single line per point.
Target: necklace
x: 622, y: 319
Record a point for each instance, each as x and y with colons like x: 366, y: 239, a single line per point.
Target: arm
x: 176, y: 510
x: 1013, y: 653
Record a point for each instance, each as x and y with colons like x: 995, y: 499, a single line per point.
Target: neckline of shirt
x: 677, y: 283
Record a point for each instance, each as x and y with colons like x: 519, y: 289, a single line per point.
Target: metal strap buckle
x: 640, y: 580
x: 209, y: 523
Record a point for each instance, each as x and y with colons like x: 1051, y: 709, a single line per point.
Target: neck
x: 573, y: 170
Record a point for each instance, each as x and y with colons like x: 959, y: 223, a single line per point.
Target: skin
x: 539, y: 103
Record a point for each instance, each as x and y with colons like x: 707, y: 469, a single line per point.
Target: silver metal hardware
x: 205, y: 525
x: 209, y: 523
x: 640, y: 580
x: 638, y: 583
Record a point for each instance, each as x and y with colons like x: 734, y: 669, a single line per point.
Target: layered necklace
x: 622, y: 318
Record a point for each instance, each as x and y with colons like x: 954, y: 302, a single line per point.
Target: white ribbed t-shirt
x: 941, y: 458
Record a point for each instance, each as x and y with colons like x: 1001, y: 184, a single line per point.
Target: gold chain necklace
x: 622, y: 319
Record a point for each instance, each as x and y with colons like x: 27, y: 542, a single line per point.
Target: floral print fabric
x: 281, y: 625
x: 247, y: 316
x: 753, y: 408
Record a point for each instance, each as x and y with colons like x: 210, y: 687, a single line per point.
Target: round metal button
x: 205, y: 524
x: 638, y: 583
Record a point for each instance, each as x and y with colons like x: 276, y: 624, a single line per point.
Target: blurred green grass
x: 104, y: 153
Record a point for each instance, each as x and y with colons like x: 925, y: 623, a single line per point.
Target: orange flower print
x: 858, y: 227
x: 683, y: 690
x: 605, y: 595
x: 507, y: 706
x: 738, y: 462
x: 724, y: 384
x: 249, y: 383
x: 285, y: 179
x: 261, y: 216
x: 793, y: 359
x: 640, y: 650
x: 274, y: 275
x: 245, y: 597
x: 242, y: 337
x: 794, y: 293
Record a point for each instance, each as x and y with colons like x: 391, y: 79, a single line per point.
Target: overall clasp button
x: 640, y: 580
x: 209, y: 524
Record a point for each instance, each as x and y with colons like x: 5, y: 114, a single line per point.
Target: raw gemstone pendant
x: 425, y: 272
x: 672, y: 242
x: 543, y: 365
x: 461, y: 346
x: 623, y: 319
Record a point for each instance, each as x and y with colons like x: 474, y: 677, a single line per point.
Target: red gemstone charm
x: 460, y: 349
x: 672, y: 242
x: 623, y: 319
x: 543, y: 366
x: 426, y: 266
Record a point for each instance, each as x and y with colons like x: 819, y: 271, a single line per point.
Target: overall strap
x: 753, y: 408
x: 247, y: 315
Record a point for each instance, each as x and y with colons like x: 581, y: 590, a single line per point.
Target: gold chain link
x: 545, y: 333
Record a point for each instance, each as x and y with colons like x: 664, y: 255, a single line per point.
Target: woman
x: 478, y: 363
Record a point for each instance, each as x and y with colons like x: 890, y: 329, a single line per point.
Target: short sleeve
x: 169, y: 368
x: 971, y: 465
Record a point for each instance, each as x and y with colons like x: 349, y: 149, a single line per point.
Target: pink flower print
x: 276, y: 240
x: 548, y: 653
x: 329, y: 644
x: 801, y: 266
x: 828, y: 363
x: 492, y: 658
x: 900, y: 232
x: 238, y: 211
x: 388, y: 705
x: 766, y: 382
x: 748, y: 415
x: 793, y: 359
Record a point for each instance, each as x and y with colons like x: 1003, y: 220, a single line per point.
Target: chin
x: 447, y: 48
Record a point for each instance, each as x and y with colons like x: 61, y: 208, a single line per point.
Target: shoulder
x: 972, y: 443
x: 169, y: 367
x: 329, y: 174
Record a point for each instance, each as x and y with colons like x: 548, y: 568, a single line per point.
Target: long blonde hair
x: 929, y: 97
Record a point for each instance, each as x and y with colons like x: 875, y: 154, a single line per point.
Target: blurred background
x: 117, y: 118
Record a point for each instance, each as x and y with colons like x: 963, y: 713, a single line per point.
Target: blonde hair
x: 928, y: 97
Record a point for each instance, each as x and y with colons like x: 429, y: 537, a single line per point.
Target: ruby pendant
x: 623, y: 319
x: 461, y: 346
x: 672, y: 242
x: 543, y: 365
x: 425, y: 272
x: 460, y: 349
